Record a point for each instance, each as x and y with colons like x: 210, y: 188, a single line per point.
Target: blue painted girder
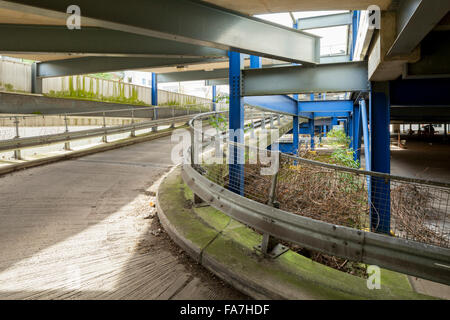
x: 287, y: 105
x: 277, y: 103
x: 326, y: 106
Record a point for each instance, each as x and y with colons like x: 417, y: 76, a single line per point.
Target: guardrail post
x: 173, y: 116
x: 155, y: 117
x: 269, y: 245
x: 133, y: 129
x: 67, y: 143
x: 105, y: 137
x: 17, y: 153
x: 263, y: 121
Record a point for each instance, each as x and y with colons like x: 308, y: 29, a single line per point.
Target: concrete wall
x: 27, y: 103
x: 16, y: 77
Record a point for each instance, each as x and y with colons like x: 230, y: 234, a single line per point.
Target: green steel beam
x: 332, y: 20
x: 96, y: 41
x: 339, y: 77
x: 192, y: 22
x: 67, y: 67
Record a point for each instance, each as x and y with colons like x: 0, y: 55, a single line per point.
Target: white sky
x: 333, y: 39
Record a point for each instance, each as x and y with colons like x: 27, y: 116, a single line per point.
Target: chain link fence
x: 412, y: 209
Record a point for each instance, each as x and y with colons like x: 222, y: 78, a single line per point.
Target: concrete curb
x: 85, y: 152
x: 234, y: 260
x: 196, y: 252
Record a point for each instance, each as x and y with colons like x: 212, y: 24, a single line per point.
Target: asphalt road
x: 84, y: 229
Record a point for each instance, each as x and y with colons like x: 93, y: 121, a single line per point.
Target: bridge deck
x: 80, y: 229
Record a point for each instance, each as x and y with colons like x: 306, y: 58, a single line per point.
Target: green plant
x: 337, y: 137
x: 218, y: 122
x: 345, y: 157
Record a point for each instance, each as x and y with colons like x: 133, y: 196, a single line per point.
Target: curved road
x: 84, y: 229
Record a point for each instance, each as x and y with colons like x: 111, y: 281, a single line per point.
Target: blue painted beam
x: 331, y: 114
x: 278, y: 103
x: 326, y: 106
x: 236, y: 125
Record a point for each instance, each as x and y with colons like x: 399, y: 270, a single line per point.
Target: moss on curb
x: 227, y: 249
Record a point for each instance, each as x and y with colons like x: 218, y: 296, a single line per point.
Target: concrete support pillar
x: 380, y: 158
x: 36, y: 82
x: 236, y: 124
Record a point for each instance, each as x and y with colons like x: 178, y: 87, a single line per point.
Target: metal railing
x: 394, y: 222
x: 33, y: 130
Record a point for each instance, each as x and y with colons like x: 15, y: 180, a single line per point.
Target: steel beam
x: 326, y: 106
x: 186, y: 21
x: 415, y: 19
x: 335, y: 59
x: 217, y: 74
x: 67, y: 67
x: 278, y: 103
x: 96, y: 41
x: 332, y: 20
x: 341, y: 77
x: 217, y: 82
x: 220, y: 76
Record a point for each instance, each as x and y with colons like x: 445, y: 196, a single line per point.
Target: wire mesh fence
x: 407, y: 208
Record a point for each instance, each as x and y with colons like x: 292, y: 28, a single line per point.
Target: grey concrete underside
x: 80, y: 229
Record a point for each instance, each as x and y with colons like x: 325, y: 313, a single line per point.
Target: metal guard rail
x: 405, y: 256
x: 28, y: 142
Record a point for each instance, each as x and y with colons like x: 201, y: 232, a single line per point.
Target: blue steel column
x: 380, y: 210
x: 357, y: 132
x: 334, y: 122
x: 214, y: 93
x: 255, y: 62
x: 365, y: 127
x: 155, y: 93
x: 350, y: 130
x: 324, y: 130
x: 236, y: 124
x: 311, y: 130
